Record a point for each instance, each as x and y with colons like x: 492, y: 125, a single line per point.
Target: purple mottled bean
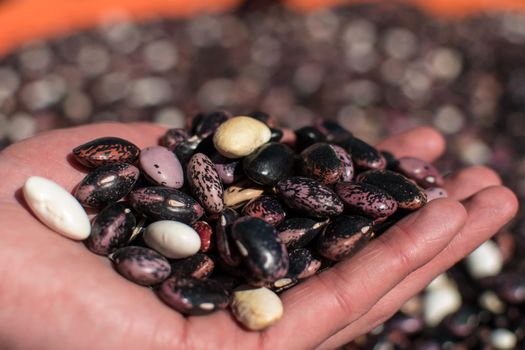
x: 310, y: 197
x: 192, y: 296
x: 346, y: 161
x: 141, y: 265
x: 267, y: 208
x: 424, y: 173
x: 205, y: 183
x: 111, y: 229
x: 106, y: 184
x: 366, y: 199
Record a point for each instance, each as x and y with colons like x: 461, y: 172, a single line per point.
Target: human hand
x: 55, y: 294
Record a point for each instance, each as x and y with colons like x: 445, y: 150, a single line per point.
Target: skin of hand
x: 55, y: 294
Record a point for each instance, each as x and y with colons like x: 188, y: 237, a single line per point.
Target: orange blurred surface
x: 22, y: 20
x: 449, y: 8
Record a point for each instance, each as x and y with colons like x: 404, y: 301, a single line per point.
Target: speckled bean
x: 106, y: 150
x: 192, y: 296
x: 321, y: 162
x: 344, y: 236
x: 407, y: 194
x: 310, y: 197
x: 173, y: 137
x: 302, y: 263
x: 347, y: 163
x: 106, y: 184
x: 198, y: 266
x: 162, y: 203
x: 205, y: 232
x: 298, y: 232
x: 111, y: 229
x: 267, y: 208
x: 205, y: 183
x: 366, y: 199
x: 364, y: 155
x: 161, y: 167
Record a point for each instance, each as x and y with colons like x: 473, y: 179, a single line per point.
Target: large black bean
x: 269, y: 164
x: 321, y: 162
x: 298, y: 232
x: 111, y: 229
x: 407, y: 194
x: 366, y: 199
x: 205, y: 124
x: 192, y: 296
x: 307, y: 136
x: 364, y: 155
x: 106, y: 184
x: 186, y: 148
x: 141, y: 265
x: 344, y: 236
x: 263, y: 252
x: 163, y: 203
x: 310, y: 197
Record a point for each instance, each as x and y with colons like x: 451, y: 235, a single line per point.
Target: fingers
x: 328, y: 302
x: 468, y: 181
x: 49, y: 154
x: 422, y: 142
x: 488, y: 210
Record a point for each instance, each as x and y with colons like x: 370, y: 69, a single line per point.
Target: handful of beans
x: 237, y: 207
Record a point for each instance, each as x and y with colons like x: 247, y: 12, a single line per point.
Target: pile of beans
x: 234, y: 210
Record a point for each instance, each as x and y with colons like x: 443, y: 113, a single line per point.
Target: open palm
x: 55, y: 294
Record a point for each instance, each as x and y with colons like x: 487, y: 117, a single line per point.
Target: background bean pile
x: 375, y: 69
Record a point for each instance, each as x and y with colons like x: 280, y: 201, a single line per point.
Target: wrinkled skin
x: 55, y: 294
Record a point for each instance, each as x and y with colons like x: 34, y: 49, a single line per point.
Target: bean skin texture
x: 366, y: 199
x: 111, y: 229
x: 104, y: 151
x: 192, y: 296
x: 141, y: 265
x: 263, y: 252
x: 310, y: 197
x: 106, y: 184
x: 407, y: 194
x: 364, y: 155
x: 321, y: 162
x: 344, y: 236
x: 267, y: 208
x: 163, y: 203
x: 298, y: 232
x: 205, y: 183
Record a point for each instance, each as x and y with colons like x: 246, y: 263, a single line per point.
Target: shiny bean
x: 267, y: 208
x: 321, y: 162
x: 106, y: 150
x: 141, y: 265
